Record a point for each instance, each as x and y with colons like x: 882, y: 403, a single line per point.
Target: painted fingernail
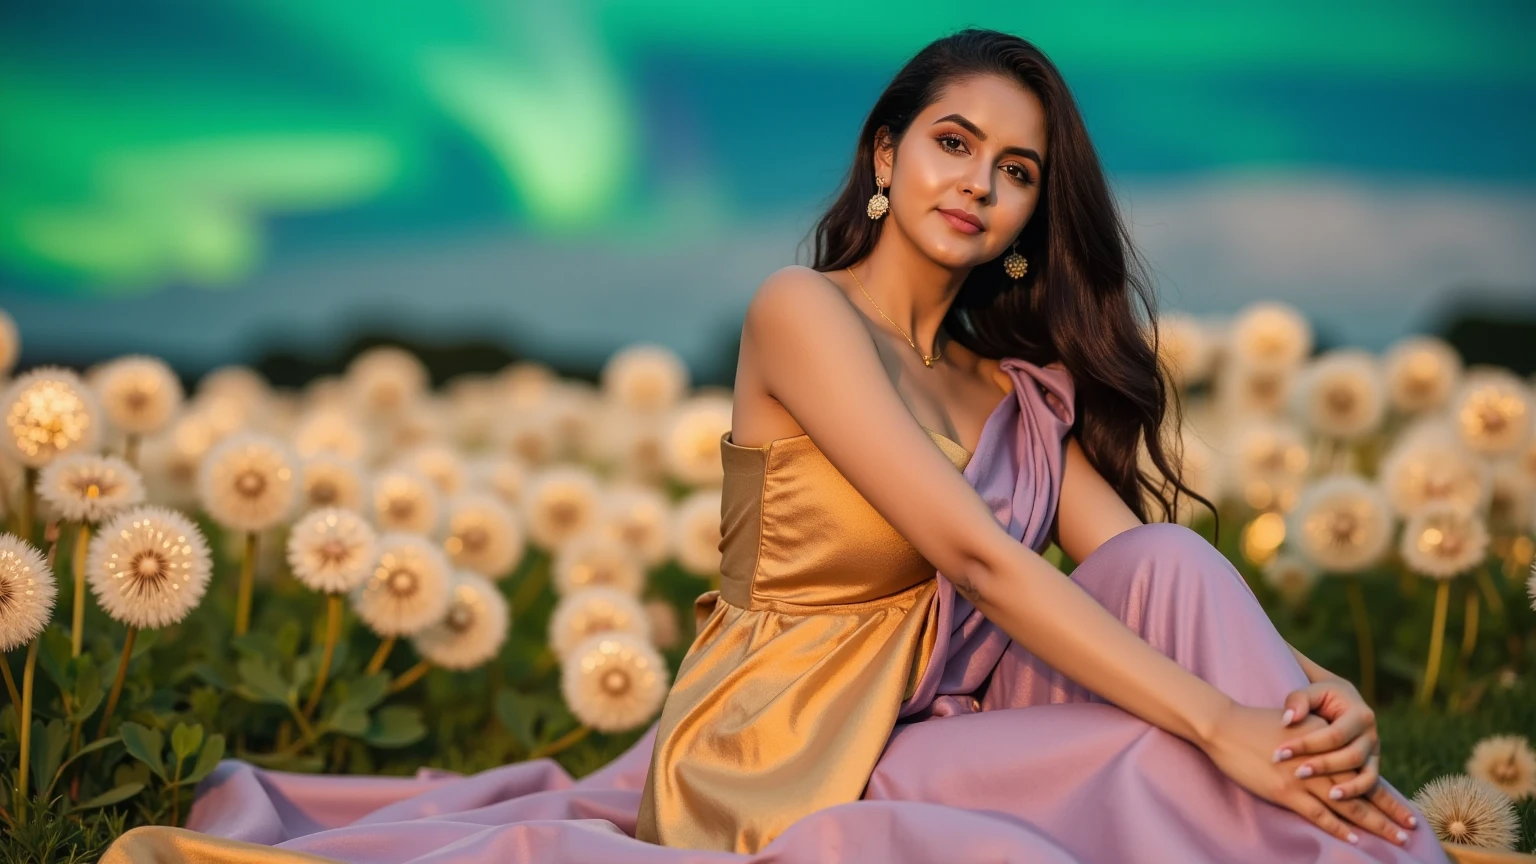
x: 1304, y: 771
x: 1353, y: 837
x: 1335, y: 793
x: 1282, y: 754
x: 1402, y: 836
x: 1413, y: 821
x: 1289, y: 714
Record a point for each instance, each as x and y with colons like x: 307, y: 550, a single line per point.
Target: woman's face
x: 978, y: 150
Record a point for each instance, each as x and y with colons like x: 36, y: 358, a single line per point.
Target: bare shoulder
x: 797, y: 296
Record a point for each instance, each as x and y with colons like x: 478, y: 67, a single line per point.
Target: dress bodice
x: 795, y: 531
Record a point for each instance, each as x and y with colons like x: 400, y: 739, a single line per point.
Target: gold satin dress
x: 821, y: 628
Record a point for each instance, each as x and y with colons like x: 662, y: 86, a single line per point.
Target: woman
x: 956, y: 383
x: 886, y: 347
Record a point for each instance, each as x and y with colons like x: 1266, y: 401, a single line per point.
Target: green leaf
x: 366, y: 691
x: 145, y: 745
x: 261, y: 682
x: 48, y: 744
x: 396, y: 726
x: 207, y: 759
x: 303, y: 673
x: 516, y: 718
x: 257, y: 644
x: 144, y: 641
x: 287, y: 639
x: 90, y: 690
x: 212, y: 676
x: 53, y: 655
x: 113, y: 796
x: 186, y: 739
x: 348, y: 719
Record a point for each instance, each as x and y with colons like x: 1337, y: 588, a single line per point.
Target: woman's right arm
x: 809, y: 349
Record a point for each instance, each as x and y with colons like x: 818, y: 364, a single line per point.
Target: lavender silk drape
x: 997, y: 756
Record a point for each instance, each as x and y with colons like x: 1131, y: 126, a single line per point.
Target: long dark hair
x: 1077, y: 302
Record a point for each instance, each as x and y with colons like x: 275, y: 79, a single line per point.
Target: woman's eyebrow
x: 1026, y: 152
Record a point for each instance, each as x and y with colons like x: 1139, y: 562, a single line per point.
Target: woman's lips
x: 960, y: 224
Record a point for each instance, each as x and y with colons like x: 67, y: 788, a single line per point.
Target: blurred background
x: 278, y: 183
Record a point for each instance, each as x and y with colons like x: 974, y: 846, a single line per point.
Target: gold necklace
x: 927, y: 360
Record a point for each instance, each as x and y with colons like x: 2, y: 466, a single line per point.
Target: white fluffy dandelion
x: 614, y: 682
x: 1430, y: 464
x: 593, y: 559
x: 329, y: 480
x: 472, y: 630
x: 1185, y: 348
x: 1342, y: 524
x: 1269, y: 463
x: 592, y: 611
x: 665, y: 629
x: 473, y: 403
x: 383, y: 382
x: 645, y: 378
x: 408, y: 588
x: 439, y: 463
x: 693, y: 440
x: 148, y: 566
x: 526, y: 384
x: 1292, y: 577
x: 484, y: 535
x: 140, y: 394
x: 233, y: 398
x: 1421, y: 373
x: 1269, y: 335
x: 1507, y: 762
x: 575, y: 413
x: 1463, y: 809
x: 503, y: 476
x: 640, y: 517
x: 1340, y: 394
x: 27, y: 592
x: 562, y: 501
x: 635, y: 445
x: 84, y: 487
x: 404, y: 500
x: 1254, y: 391
x: 49, y: 411
x: 332, y: 430
x: 1443, y: 540
x: 332, y: 550
x: 249, y: 482
x: 1493, y: 412
x: 696, y: 532
x: 530, y: 434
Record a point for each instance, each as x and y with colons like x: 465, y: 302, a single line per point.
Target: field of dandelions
x: 370, y: 575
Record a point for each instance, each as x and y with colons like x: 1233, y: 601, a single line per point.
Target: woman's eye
x: 945, y: 140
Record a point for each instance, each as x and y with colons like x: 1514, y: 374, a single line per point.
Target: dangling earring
x: 878, y: 203
x: 1014, y: 264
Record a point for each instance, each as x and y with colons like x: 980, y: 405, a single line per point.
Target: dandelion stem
x: 1490, y: 592
x: 380, y: 655
x: 247, y: 582
x: 77, y: 563
x: 10, y: 682
x: 131, y: 449
x: 1469, y: 629
x: 561, y: 743
x: 1436, y: 642
x: 117, y: 683
x: 1366, y: 643
x: 332, y: 631
x: 410, y: 676
x: 26, y: 729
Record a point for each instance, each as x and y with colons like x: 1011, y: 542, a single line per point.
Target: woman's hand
x: 1349, y: 741
x: 1243, y: 743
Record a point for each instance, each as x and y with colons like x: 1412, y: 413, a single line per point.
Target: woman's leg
x: 1184, y: 598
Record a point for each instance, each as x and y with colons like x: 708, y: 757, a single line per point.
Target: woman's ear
x: 885, y: 154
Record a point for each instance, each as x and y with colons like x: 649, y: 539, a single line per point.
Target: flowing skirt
x: 1038, y: 770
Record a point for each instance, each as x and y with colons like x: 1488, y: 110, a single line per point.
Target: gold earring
x: 878, y: 203
x: 1014, y: 264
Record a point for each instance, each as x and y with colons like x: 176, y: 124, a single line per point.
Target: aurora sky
x: 208, y: 180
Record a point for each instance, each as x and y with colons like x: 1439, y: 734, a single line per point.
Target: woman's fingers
x: 1393, y: 804
x: 1331, y: 737
x: 1361, y: 784
x: 1298, y: 704
x: 1351, y: 756
x: 1366, y: 815
x: 1314, y: 810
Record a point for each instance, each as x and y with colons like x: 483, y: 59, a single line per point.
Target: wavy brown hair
x: 1079, y: 301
